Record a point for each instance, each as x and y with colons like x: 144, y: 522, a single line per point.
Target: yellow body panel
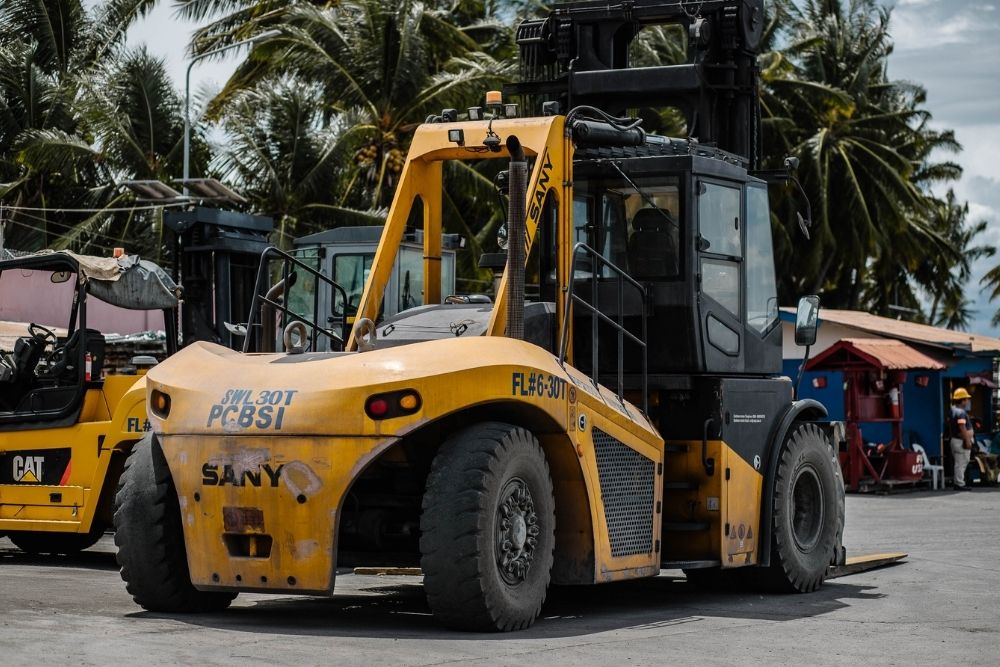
x: 743, y: 492
x: 325, y: 437
x: 728, y: 500
x: 112, y: 417
x: 297, y: 518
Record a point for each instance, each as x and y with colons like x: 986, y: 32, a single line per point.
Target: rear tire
x: 488, y: 529
x: 150, y: 537
x: 808, y: 516
x: 57, y: 544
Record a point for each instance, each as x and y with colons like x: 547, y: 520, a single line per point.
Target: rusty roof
x: 883, y: 353
x: 912, y: 332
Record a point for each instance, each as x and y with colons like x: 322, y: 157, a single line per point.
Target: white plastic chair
x: 936, y: 471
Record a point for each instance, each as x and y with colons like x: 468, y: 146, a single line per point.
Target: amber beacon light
x: 159, y: 403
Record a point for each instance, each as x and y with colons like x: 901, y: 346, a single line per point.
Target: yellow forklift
x: 614, y: 408
x: 65, y: 427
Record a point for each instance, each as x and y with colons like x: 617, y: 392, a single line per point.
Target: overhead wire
x: 122, y: 209
x: 61, y: 225
x: 17, y: 223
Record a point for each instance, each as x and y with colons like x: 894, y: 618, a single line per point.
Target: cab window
x: 719, y: 241
x: 350, y: 272
x: 719, y: 219
x: 762, y: 291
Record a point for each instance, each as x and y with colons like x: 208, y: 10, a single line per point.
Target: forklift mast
x: 217, y: 254
x: 579, y: 55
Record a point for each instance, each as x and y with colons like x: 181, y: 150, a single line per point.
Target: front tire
x: 150, y: 537
x: 808, y: 515
x: 488, y: 529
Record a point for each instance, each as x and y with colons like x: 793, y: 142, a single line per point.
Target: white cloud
x: 911, y: 31
x: 166, y: 35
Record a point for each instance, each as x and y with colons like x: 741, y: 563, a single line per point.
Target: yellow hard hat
x: 960, y: 394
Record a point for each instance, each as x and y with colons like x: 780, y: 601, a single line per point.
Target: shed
x: 874, y: 374
x: 967, y: 359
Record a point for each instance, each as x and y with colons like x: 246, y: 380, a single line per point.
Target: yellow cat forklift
x: 614, y: 408
x: 65, y: 428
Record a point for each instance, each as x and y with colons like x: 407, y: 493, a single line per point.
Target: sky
x: 951, y: 47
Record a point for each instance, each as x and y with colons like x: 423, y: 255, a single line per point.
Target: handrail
x: 571, y: 298
x: 260, y: 298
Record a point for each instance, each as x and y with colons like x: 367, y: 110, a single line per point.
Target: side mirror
x: 805, y: 320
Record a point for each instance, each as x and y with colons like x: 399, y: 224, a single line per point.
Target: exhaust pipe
x: 518, y: 182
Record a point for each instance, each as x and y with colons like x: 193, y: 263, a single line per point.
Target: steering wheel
x: 59, y: 359
x: 43, y: 334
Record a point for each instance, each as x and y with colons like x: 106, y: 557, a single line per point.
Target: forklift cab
x: 47, y: 369
x: 696, y: 232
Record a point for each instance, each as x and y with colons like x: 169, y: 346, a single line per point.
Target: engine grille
x: 627, y: 490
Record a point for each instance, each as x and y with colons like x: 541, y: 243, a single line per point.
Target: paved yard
x: 940, y: 607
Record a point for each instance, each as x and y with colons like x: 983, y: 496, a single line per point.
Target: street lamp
x: 187, y: 93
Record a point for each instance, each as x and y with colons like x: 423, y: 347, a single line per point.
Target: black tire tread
x: 784, y: 575
x: 150, y: 537
x: 454, y: 518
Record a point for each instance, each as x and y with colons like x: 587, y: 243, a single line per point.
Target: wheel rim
x: 516, y: 531
x: 807, y: 509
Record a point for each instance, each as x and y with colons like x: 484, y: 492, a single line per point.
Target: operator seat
x: 653, y: 247
x: 18, y: 371
x: 27, y: 353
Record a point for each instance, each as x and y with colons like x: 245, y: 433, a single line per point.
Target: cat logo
x: 28, y: 469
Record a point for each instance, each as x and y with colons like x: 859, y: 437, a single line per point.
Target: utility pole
x: 187, y: 94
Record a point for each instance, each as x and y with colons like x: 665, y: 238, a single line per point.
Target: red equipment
x: 874, y: 373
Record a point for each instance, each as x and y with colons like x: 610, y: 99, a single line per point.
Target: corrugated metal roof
x: 908, y: 331
x: 886, y: 353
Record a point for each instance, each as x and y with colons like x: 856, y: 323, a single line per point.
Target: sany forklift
x: 616, y: 407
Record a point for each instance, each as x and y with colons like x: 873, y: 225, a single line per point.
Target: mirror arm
x: 798, y: 380
x: 806, y: 224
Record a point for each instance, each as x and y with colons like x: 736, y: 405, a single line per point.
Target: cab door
x: 719, y: 209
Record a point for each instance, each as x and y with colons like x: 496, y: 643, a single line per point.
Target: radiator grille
x: 627, y: 490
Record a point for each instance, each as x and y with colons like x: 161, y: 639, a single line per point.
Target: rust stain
x: 242, y: 520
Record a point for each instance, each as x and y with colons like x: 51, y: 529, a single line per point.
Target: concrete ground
x: 942, y: 606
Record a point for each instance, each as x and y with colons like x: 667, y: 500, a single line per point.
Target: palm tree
x: 71, y: 99
x: 945, y: 276
x: 287, y: 158
x: 134, y: 114
x: 368, y: 73
x: 864, y: 145
x: 38, y: 44
x: 376, y: 62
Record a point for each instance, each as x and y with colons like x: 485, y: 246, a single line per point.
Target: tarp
x: 140, y: 285
x: 126, y: 281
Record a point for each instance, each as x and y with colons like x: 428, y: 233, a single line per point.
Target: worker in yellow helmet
x: 961, y: 435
